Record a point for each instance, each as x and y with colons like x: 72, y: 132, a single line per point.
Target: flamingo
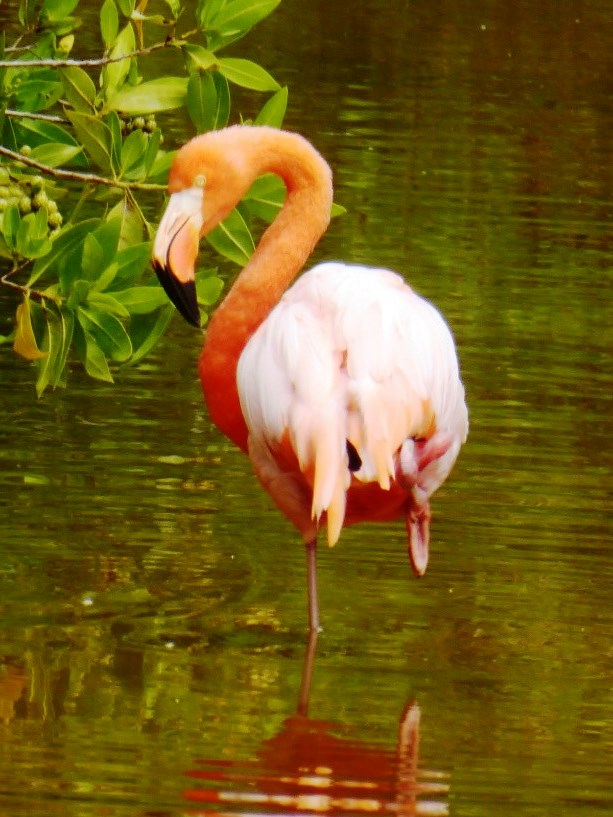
x: 343, y: 389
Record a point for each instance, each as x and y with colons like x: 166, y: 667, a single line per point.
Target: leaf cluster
x: 82, y: 161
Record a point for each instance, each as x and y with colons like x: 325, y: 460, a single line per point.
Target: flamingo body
x: 350, y: 355
x: 344, y: 388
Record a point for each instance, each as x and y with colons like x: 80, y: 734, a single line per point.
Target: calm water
x: 152, y: 603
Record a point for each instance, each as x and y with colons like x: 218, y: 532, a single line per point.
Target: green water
x: 152, y: 602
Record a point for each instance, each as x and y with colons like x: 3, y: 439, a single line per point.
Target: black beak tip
x: 183, y: 296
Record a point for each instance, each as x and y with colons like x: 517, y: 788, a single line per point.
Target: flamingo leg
x: 418, y: 531
x: 311, y: 555
x: 307, y: 673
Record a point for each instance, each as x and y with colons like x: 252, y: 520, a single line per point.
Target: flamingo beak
x: 175, y: 250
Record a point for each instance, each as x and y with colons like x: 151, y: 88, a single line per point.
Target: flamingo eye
x: 200, y: 180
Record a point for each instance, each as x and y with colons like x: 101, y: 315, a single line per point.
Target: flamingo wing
x: 347, y: 379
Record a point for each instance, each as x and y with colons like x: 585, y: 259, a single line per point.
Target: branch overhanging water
x: 76, y: 176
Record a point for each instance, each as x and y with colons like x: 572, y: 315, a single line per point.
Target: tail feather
x: 336, y: 513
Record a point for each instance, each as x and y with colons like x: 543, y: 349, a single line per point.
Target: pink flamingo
x: 343, y: 389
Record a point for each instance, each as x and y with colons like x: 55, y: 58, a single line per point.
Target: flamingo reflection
x: 309, y: 767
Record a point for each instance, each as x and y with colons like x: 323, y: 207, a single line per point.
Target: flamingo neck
x: 279, y: 256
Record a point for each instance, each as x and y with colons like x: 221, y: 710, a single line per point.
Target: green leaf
x: 161, y: 166
x: 145, y: 334
x: 272, y: 112
x: 92, y: 262
x: 242, y: 14
x: 131, y: 264
x: 107, y: 303
x: 105, y: 279
x: 4, y: 250
x: 79, y: 88
x: 126, y: 7
x: 199, y: 58
x: 156, y: 95
x: 207, y: 10
x: 46, y: 132
x: 48, y: 365
x: 54, y: 154
x: 266, y: 196
x: 78, y: 294
x: 208, y: 288
x: 133, y: 153
x: 131, y: 225
x: 208, y: 101
x: 96, y: 364
x: 41, y: 89
x: 58, y: 338
x: 232, y: 239
x: 107, y: 234
x: 134, y: 78
x: 109, y: 22
x: 247, y: 74
x: 201, y: 99
x: 32, y: 239
x: 95, y: 137
x: 36, y: 132
x: 142, y: 300
x: 11, y: 221
x: 67, y: 319
x: 175, y: 7
x: 222, y: 112
x: 56, y: 11
x: 114, y: 125
x: 108, y: 331
x: 115, y: 73
x: 61, y: 247
x: 152, y: 150
x: 235, y: 18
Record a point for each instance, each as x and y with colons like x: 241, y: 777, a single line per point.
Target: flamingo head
x: 208, y: 177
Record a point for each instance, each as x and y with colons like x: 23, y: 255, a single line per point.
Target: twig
x: 76, y: 176
x: 44, y: 117
x: 88, y: 63
x: 34, y: 293
x: 95, y: 61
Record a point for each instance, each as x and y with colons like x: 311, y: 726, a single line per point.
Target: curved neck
x: 279, y: 256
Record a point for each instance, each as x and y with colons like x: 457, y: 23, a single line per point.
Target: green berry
x: 41, y: 199
x: 25, y: 205
x: 55, y: 220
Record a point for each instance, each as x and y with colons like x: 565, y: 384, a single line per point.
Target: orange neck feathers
x: 280, y: 255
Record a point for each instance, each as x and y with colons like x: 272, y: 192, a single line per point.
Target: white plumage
x: 350, y: 353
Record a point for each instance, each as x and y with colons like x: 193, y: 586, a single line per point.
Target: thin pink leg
x: 418, y: 530
x: 311, y: 554
x: 307, y: 673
